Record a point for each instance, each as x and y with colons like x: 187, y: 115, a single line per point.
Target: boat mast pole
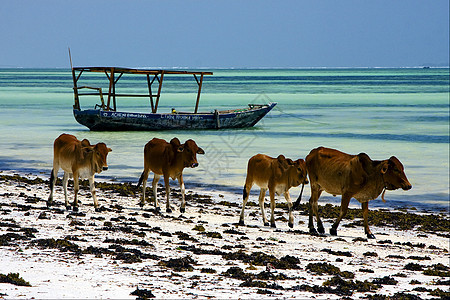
x: 75, y: 88
x: 159, y: 91
x: 150, y: 91
x: 199, y: 91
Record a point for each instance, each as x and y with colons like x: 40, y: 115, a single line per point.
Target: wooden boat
x: 105, y: 116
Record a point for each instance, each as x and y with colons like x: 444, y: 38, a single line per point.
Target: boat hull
x: 100, y: 120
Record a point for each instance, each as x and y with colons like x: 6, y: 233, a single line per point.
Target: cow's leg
x: 155, y: 190
x: 143, y: 179
x: 272, y: 208
x: 262, y: 194
x: 167, y: 185
x: 365, y: 210
x: 289, y: 203
x: 344, y: 207
x: 76, y: 188
x: 183, y: 202
x: 53, y: 177
x: 314, y: 211
x: 245, y: 195
x: 93, y: 192
x: 64, y: 182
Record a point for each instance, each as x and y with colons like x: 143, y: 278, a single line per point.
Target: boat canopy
x: 115, y: 73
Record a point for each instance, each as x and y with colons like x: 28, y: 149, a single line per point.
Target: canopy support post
x: 159, y: 92
x: 199, y: 91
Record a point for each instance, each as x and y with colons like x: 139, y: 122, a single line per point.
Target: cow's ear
x: 200, y: 151
x: 85, y: 143
x: 282, y: 161
x: 365, y: 160
x: 180, y: 149
x: 384, y: 166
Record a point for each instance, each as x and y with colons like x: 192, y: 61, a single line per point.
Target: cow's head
x: 296, y: 170
x: 189, y: 151
x: 394, y: 175
x: 98, y: 154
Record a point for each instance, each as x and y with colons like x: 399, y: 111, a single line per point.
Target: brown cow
x: 354, y: 176
x: 79, y: 159
x: 276, y: 174
x: 169, y: 160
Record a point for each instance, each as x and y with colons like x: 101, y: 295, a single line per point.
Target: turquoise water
x: 383, y: 112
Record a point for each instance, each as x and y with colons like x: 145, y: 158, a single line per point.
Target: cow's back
x: 66, y: 149
x: 259, y: 169
x: 331, y: 170
x: 158, y: 154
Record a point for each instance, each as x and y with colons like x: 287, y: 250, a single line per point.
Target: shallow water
x: 383, y: 112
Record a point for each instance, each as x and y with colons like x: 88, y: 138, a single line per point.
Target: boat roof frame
x: 115, y: 73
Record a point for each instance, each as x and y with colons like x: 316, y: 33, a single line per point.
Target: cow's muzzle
x: 105, y: 168
x: 194, y: 165
x: 407, y: 186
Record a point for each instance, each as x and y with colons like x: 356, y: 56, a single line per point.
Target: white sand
x: 55, y: 275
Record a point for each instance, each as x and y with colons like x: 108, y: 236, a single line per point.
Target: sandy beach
x: 128, y: 252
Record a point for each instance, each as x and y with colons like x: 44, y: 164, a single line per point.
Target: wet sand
x: 127, y: 252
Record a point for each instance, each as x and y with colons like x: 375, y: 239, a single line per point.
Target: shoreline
x: 203, y: 253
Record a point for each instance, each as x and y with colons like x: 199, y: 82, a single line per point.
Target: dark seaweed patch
x: 143, y: 294
x: 337, y: 253
x: 13, y: 278
x: 326, y: 268
x: 386, y: 280
x: 179, y: 264
x: 347, y: 287
x: 413, y: 267
x: 437, y: 270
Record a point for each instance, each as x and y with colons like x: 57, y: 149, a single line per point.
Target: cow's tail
x: 52, y: 178
x: 244, y: 193
x: 297, y: 203
x: 140, y: 179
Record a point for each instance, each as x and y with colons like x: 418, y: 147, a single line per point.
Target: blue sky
x: 225, y: 34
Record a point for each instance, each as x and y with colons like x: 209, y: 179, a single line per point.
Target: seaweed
x: 437, y: 270
x: 348, y: 286
x: 413, y: 267
x: 338, y: 253
x: 386, y: 280
x: 326, y: 268
x: 183, y: 264
x: 13, y: 278
x: 143, y: 294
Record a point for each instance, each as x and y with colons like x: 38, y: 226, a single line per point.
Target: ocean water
x: 382, y: 112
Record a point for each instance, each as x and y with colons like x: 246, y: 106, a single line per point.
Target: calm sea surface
x: 383, y: 112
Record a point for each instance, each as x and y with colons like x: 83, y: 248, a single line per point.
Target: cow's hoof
x: 157, y: 209
x: 182, y: 210
x: 320, y: 229
x: 141, y: 204
x: 68, y: 207
x: 168, y: 210
x: 333, y: 231
x: 49, y: 203
x: 313, y: 231
x: 241, y: 222
x: 75, y: 208
x: 370, y: 236
x: 273, y: 225
x: 291, y: 225
x: 98, y: 209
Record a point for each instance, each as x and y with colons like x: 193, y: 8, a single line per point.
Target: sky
x: 224, y: 34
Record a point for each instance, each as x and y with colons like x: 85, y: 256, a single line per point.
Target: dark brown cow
x: 276, y: 174
x: 77, y: 159
x: 169, y: 160
x: 354, y: 176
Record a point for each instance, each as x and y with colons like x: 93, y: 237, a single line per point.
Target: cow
x: 276, y: 174
x: 169, y: 160
x: 77, y: 159
x: 352, y: 176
